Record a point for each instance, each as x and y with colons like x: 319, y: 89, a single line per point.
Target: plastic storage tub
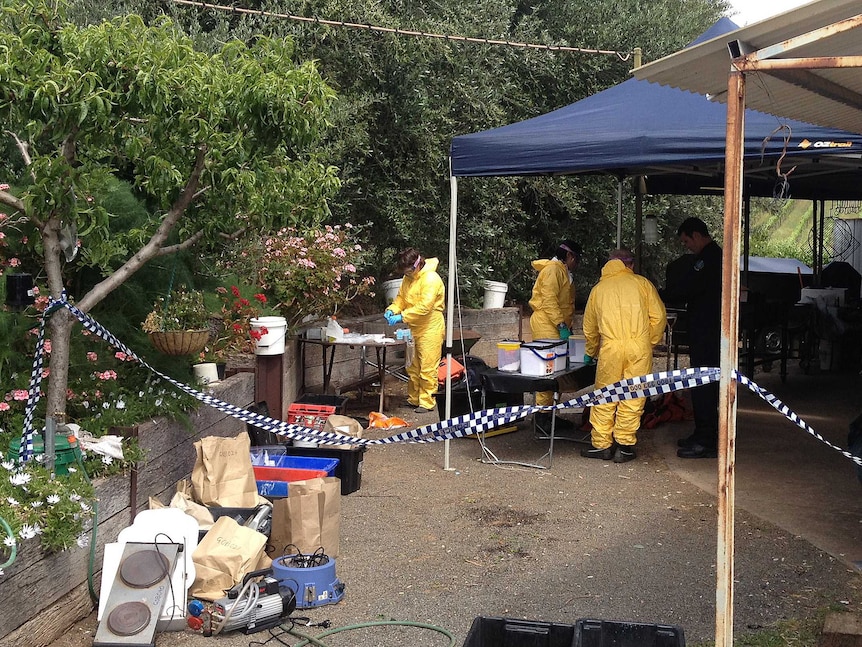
x: 509, y: 356
x: 511, y: 632
x: 349, y: 468
x: 561, y: 352
x: 538, y: 358
x: 577, y: 349
x: 260, y: 457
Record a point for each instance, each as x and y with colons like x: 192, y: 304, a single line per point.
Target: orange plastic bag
x: 382, y: 421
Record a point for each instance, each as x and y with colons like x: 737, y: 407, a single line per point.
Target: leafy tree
x: 213, y: 144
x: 401, y: 99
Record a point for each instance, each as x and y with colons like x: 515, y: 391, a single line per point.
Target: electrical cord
x: 315, y: 640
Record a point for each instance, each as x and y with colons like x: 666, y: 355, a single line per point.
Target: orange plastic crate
x: 312, y: 416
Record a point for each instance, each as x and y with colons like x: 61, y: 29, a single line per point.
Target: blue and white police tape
x: 458, y: 427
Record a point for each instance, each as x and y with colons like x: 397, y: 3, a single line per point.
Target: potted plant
x: 178, y: 323
x: 234, y: 334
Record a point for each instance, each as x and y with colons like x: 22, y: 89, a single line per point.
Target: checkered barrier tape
x: 458, y: 427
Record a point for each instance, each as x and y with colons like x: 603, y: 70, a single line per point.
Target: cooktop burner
x: 138, y: 593
x: 129, y: 618
x: 144, y: 569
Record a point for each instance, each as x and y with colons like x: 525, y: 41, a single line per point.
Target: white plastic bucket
x: 537, y: 358
x: 272, y: 342
x: 390, y: 289
x: 577, y: 349
x: 206, y: 372
x: 561, y: 352
x: 495, y: 294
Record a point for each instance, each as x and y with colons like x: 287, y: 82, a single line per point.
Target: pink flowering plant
x: 106, y: 389
x: 306, y: 273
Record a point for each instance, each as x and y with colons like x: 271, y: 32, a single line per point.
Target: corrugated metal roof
x: 799, y: 93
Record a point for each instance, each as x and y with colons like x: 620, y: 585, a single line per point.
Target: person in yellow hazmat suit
x: 419, y: 304
x: 623, y: 320
x: 553, y: 305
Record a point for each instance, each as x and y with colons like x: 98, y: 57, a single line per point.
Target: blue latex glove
x: 395, y: 319
x: 565, y: 333
x: 588, y: 359
x: 388, y: 316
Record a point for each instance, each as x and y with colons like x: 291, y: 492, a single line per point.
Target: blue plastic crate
x: 265, y: 459
x: 272, y: 488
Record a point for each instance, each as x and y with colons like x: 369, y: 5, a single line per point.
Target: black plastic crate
x: 257, y: 435
x: 510, y: 632
x: 606, y: 633
x: 349, y: 468
x: 337, y: 401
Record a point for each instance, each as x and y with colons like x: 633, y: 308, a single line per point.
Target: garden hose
x: 315, y: 640
x: 13, y: 548
x: 91, y: 587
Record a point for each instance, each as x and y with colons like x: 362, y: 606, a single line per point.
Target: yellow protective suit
x: 624, y: 319
x: 553, y: 302
x: 420, y: 301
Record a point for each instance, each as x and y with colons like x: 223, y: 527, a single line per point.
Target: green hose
x: 306, y: 640
x: 13, y: 549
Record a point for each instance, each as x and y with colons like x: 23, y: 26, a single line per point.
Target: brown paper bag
x: 223, y: 475
x: 225, y: 554
x: 308, y: 518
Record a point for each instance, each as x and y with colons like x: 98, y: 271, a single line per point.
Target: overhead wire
x: 623, y: 56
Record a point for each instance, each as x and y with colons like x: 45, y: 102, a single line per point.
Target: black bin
x: 607, y: 633
x: 510, y: 632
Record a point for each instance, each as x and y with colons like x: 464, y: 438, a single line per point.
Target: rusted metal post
x: 729, y: 357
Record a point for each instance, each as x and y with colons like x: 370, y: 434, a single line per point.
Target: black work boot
x: 625, y: 453
x: 605, y: 454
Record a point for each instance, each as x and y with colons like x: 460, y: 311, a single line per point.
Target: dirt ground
x: 584, y: 539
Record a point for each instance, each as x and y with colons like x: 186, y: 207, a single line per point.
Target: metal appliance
x: 253, y: 606
x: 138, y: 594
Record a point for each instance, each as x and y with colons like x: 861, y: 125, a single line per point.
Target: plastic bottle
x: 334, y: 332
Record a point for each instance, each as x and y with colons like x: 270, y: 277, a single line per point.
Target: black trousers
x: 704, y: 351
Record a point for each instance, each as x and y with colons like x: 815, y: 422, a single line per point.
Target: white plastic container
x: 334, y: 332
x: 272, y: 342
x: 509, y: 356
x: 495, y: 294
x: 577, y: 349
x: 537, y: 358
x: 206, y: 372
x: 390, y: 289
x: 561, y: 352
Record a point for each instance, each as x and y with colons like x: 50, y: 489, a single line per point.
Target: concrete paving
x: 784, y: 474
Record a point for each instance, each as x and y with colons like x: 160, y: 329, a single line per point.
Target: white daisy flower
x: 121, y: 404
x: 74, y: 497
x: 35, y: 504
x: 9, y: 465
x: 53, y: 499
x: 107, y: 460
x: 27, y: 532
x: 12, y: 501
x: 9, y: 541
x: 83, y: 541
x: 21, y: 478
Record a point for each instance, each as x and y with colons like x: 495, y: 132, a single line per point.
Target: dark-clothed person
x: 700, y: 289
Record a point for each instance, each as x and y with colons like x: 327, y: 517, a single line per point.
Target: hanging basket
x: 180, y: 342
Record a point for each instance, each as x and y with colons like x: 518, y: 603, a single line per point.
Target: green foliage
x: 180, y: 309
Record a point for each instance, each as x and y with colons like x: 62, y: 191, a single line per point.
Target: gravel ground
x: 585, y: 539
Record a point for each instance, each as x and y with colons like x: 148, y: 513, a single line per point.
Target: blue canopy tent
x: 676, y: 139
x: 673, y: 139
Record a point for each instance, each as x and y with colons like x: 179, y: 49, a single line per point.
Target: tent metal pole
x: 450, y: 301
x: 734, y: 151
x: 619, y: 213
